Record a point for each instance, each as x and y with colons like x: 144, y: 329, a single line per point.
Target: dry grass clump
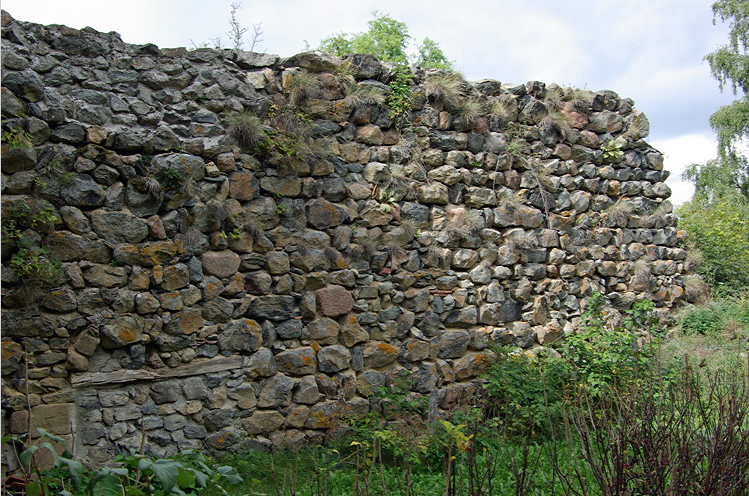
x: 365, y: 94
x: 504, y: 107
x: 445, y: 88
x: 246, y: 129
x: 463, y: 223
x: 468, y: 113
x: 302, y: 86
x: 696, y: 289
x: 618, y: 214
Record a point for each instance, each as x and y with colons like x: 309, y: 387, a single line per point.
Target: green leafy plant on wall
x: 387, y: 39
x: 16, y: 138
x: 399, y: 99
x: 24, y: 226
x: 612, y: 149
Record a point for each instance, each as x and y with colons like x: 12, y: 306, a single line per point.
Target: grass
x: 302, y: 86
x: 365, y: 94
x: 444, y: 88
x: 246, y: 129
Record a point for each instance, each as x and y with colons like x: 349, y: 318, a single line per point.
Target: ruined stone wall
x: 173, y: 269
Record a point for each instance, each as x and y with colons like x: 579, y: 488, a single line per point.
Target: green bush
x: 387, y: 39
x: 715, y: 317
x: 606, y: 358
x: 720, y: 230
x: 526, y: 391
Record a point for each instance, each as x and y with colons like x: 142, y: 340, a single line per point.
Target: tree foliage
x: 720, y: 230
x: 717, y: 217
x: 388, y: 40
x: 729, y: 65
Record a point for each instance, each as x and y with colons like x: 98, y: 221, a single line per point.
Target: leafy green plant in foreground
x: 131, y: 474
x: 605, y: 358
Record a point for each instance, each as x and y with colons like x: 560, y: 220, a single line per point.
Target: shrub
x: 715, y: 317
x: 720, y: 230
x: 387, y: 39
x: 605, y: 357
x: 37, y: 267
x: 169, y: 177
x: 130, y: 473
x: 526, y: 391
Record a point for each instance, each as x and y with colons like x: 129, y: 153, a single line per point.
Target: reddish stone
x: 334, y: 300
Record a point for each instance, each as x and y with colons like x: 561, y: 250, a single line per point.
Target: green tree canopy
x: 388, y: 40
x: 729, y: 65
x: 717, y: 217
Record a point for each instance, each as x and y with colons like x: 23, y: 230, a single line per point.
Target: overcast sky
x: 647, y: 50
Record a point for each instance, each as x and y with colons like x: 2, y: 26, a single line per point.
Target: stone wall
x: 220, y: 248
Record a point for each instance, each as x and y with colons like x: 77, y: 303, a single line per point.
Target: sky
x: 648, y: 50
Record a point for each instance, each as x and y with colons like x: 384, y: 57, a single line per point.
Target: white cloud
x: 680, y: 152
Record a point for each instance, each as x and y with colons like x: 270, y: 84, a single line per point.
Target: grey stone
x: 217, y: 419
x: 473, y: 365
x: 306, y: 391
x: 315, y: 61
x: 435, y: 193
x: 124, y: 331
x: 253, y: 60
x: 25, y: 84
x: 118, y: 227
x: 264, y: 422
x: 261, y: 364
x: 141, y: 201
x: 241, y: 335
x: 378, y: 354
x: 18, y: 159
x: 165, y: 392
x: 275, y: 308
x: 83, y: 192
x: 365, y: 66
x: 60, y: 301
x: 332, y: 359
x: 12, y: 106
x: 334, y: 300
x: 297, y: 361
x: 221, y: 264
x: 323, y: 215
x: 453, y: 344
x: 258, y: 283
x: 71, y: 133
x: 187, y: 167
x: 276, y: 392
x: 323, y: 330
x: 351, y: 332
x: 194, y: 388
